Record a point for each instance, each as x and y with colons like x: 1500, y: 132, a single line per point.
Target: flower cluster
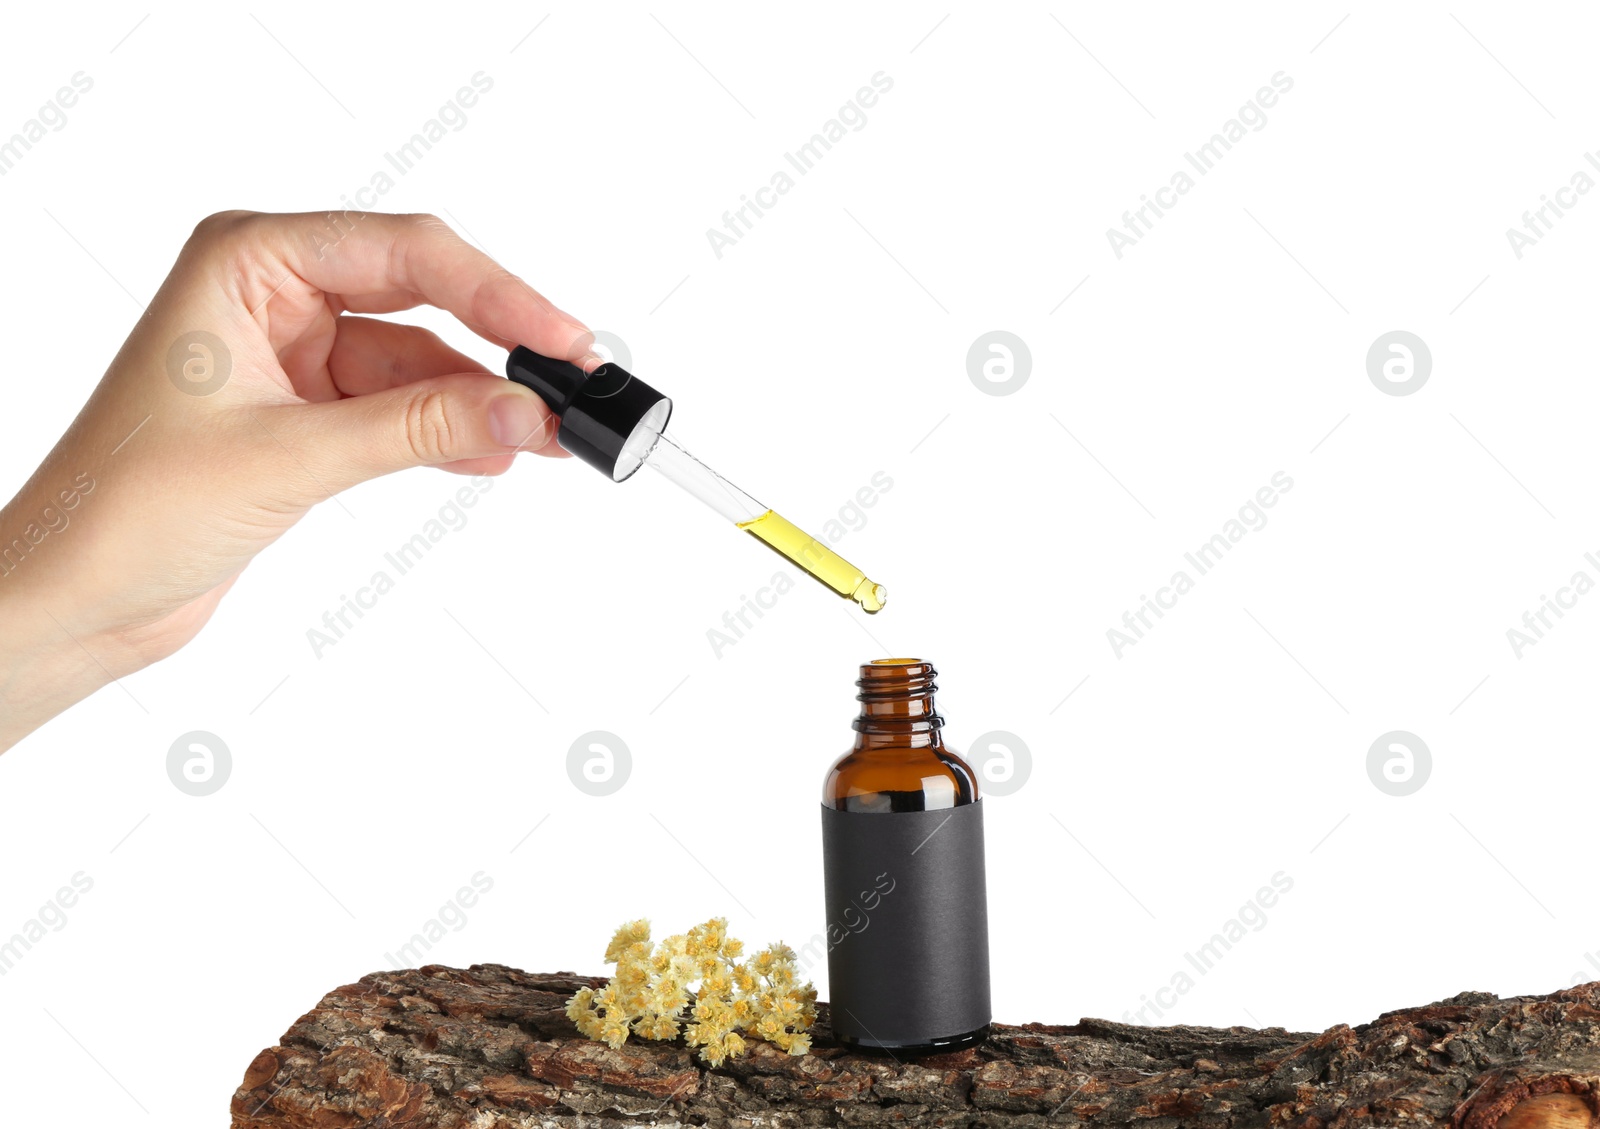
x: 699, y: 970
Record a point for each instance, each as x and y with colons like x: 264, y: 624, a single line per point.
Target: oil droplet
x: 871, y: 596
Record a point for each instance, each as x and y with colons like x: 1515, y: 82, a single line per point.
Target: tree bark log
x: 490, y: 1047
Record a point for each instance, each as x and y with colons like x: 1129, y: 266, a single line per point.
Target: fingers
x: 450, y: 421
x: 370, y: 356
x: 378, y: 263
x: 373, y: 356
x: 494, y: 464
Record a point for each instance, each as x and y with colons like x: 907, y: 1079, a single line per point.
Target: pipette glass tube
x: 616, y: 423
x: 770, y: 528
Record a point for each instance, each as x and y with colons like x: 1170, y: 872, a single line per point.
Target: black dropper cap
x: 600, y: 411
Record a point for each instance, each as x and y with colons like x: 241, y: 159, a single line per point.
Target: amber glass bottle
x: 902, y: 842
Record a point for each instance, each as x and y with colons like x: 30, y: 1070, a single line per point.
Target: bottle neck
x: 897, y: 706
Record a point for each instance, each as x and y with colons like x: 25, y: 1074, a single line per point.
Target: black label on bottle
x: 908, y: 931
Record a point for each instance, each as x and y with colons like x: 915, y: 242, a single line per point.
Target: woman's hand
x: 249, y: 392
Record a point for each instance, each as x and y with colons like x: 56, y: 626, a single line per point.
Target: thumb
x: 428, y: 422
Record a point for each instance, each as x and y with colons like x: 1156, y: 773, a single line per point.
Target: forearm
x: 43, y: 668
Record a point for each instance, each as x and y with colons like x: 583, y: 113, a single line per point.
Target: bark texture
x: 490, y: 1047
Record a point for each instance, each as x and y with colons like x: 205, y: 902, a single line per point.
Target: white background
x: 830, y: 344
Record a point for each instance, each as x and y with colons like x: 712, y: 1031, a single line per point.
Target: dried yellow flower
x: 700, y: 971
x: 630, y: 934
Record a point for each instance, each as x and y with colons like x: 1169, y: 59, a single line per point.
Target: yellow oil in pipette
x: 790, y: 541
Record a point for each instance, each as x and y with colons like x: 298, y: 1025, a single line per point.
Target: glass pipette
x: 617, y: 423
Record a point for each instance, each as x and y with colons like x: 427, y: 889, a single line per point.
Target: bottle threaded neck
x: 896, y: 697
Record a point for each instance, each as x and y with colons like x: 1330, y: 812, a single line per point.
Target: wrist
x: 43, y: 669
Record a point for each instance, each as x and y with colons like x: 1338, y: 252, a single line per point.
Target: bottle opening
x: 897, y: 693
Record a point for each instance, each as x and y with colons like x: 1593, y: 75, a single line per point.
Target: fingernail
x: 516, y: 418
x: 581, y: 346
x: 590, y: 361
